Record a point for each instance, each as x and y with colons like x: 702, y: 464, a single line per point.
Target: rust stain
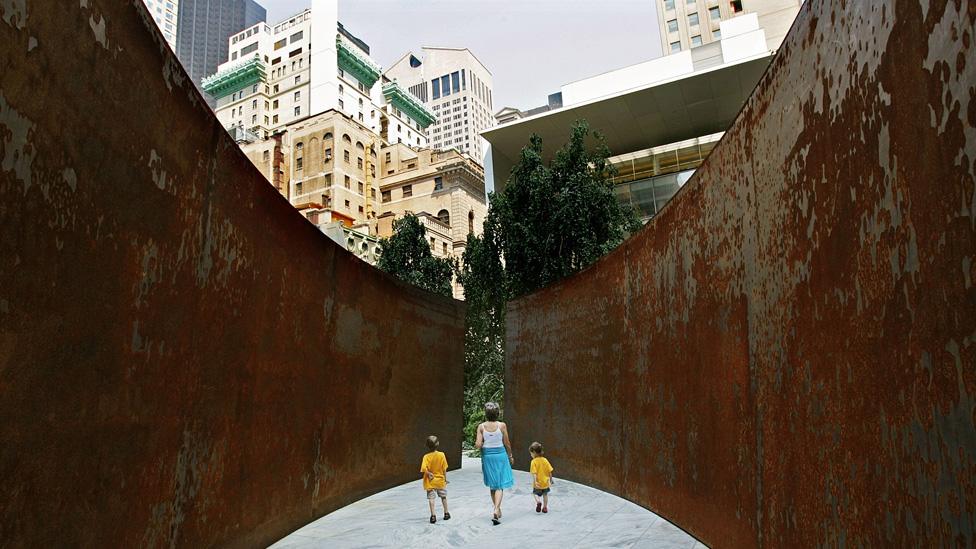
x: 184, y: 360
x: 785, y: 356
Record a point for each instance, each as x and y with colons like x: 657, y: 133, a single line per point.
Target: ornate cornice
x: 406, y: 102
x: 355, y: 63
x: 245, y: 73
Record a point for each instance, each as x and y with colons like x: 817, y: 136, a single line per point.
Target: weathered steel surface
x: 184, y: 360
x: 785, y: 356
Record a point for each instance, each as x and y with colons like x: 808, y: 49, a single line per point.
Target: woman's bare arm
x: 480, y: 440
x: 508, y: 445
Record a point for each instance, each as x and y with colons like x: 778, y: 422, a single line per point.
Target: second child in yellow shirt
x: 434, y: 471
x: 541, y: 471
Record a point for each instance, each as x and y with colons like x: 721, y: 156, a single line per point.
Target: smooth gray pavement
x: 579, y: 516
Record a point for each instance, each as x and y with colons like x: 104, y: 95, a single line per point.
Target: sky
x: 531, y: 47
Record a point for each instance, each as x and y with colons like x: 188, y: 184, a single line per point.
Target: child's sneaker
x: 545, y: 509
x: 433, y: 519
x: 447, y: 516
x: 538, y: 507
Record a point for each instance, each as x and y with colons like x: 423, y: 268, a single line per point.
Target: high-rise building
x: 166, y: 15
x: 273, y: 78
x: 204, y: 25
x: 457, y: 87
x: 691, y: 23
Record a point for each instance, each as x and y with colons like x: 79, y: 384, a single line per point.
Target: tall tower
x: 204, y: 25
x: 457, y: 88
x: 688, y: 24
x: 166, y: 15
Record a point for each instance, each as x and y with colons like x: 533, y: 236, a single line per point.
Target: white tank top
x: 493, y: 439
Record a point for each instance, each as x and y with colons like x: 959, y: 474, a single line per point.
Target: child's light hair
x: 432, y: 443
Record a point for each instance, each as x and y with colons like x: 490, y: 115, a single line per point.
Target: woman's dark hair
x: 536, y: 448
x: 432, y: 443
x: 491, y: 411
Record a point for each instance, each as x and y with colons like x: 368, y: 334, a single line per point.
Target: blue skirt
x: 496, y: 468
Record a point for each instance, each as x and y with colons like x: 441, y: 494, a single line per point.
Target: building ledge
x: 245, y: 73
x: 357, y: 64
x: 407, y: 103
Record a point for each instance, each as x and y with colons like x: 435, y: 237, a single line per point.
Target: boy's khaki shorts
x: 436, y: 493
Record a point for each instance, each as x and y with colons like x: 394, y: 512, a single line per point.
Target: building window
x: 455, y: 81
x: 673, y: 25
x: 281, y: 43
x: 717, y: 34
x: 346, y: 181
x: 714, y: 13
x: 359, y: 163
x: 298, y: 164
x: 696, y: 41
x: 266, y: 156
x: 444, y: 217
x: 347, y: 204
x: 470, y: 222
x: 438, y: 183
x: 360, y: 185
x: 668, y: 5
x: 387, y: 157
x: 433, y: 245
x: 446, y: 85
x: 298, y: 111
x: 345, y: 156
x: 736, y: 6
x: 360, y: 209
x: 386, y: 196
x: 298, y: 95
x: 296, y: 37
x: 328, y: 154
x: 274, y: 120
x: 299, y: 145
x: 445, y: 248
x: 298, y: 79
x: 436, y: 87
x: 675, y: 47
x: 341, y: 104
x: 407, y: 191
x: 693, y: 19
x: 298, y: 188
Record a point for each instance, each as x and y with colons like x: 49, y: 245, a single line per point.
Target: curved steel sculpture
x: 785, y: 356
x: 184, y: 360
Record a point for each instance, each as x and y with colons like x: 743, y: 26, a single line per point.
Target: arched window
x: 359, y: 145
x: 471, y: 222
x: 345, y: 137
x: 328, y: 135
x: 299, y: 145
x: 444, y: 217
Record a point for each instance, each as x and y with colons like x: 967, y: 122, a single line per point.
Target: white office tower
x: 303, y: 66
x: 457, y: 88
x: 166, y: 14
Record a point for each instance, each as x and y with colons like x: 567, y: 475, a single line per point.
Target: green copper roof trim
x: 246, y: 73
x: 357, y: 64
x: 406, y: 102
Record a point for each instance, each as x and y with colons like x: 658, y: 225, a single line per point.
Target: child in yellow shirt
x: 541, y: 471
x: 434, y: 471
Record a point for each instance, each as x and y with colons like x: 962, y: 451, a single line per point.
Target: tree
x: 555, y: 220
x: 482, y: 275
x: 406, y: 255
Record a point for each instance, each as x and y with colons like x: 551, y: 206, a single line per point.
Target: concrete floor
x: 579, y: 516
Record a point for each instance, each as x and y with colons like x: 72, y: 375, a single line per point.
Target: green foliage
x: 549, y: 222
x: 406, y: 255
x: 481, y: 273
x: 555, y: 220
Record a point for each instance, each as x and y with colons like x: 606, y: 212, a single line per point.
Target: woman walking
x: 496, y: 457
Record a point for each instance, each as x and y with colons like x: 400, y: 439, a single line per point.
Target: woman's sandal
x: 494, y: 519
x: 433, y: 519
x: 447, y: 516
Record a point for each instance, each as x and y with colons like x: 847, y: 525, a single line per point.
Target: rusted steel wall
x: 785, y: 356
x: 184, y: 360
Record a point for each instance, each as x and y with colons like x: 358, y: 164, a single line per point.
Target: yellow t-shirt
x: 541, y: 469
x: 436, y: 463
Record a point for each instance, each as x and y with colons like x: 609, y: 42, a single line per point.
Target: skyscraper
x: 204, y: 25
x: 454, y: 84
x: 691, y: 23
x: 165, y: 13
